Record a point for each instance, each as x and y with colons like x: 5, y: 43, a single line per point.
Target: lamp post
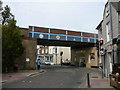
x: 56, y: 54
x: 61, y: 53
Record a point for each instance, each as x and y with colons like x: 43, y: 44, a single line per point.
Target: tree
x: 11, y: 41
x: 0, y: 6
x: 6, y: 15
x: 0, y: 18
x: 0, y: 35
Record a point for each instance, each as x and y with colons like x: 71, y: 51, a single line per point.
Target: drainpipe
x: 111, y: 28
x: 117, y: 36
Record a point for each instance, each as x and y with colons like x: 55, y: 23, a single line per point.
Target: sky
x: 71, y: 15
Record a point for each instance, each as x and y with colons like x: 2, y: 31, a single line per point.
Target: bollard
x: 88, y: 80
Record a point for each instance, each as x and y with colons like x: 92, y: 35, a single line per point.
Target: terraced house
x: 109, y: 32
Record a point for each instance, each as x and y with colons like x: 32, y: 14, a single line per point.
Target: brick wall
x: 88, y: 35
x: 44, y: 30
x: 57, y: 31
x: 29, y: 52
x: 74, y: 33
x: 24, y: 32
x: 60, y: 31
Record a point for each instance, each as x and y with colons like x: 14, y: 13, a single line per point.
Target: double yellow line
x: 38, y: 74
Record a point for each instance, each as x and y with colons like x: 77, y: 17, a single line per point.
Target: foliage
x: 0, y: 19
x: 6, y: 15
x: 11, y: 45
x: 0, y: 6
x: 11, y: 40
x: 0, y: 35
x: 0, y: 31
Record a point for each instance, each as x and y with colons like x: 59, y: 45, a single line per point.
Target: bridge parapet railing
x: 51, y: 36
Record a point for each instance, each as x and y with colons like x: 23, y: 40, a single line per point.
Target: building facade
x: 52, y: 53
x: 109, y: 32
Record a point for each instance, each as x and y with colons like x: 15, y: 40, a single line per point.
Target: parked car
x: 47, y: 62
x: 66, y: 62
x: 52, y: 63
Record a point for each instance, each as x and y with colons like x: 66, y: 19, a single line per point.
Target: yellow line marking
x: 38, y: 74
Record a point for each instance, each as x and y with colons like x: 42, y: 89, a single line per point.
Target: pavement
x: 96, y: 80
x: 9, y: 77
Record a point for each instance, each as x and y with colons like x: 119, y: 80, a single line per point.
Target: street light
x: 61, y: 53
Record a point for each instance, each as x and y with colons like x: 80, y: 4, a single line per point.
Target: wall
x: 80, y: 54
x: 105, y: 21
x: 29, y: 52
x: 119, y: 23
x: 61, y: 31
x: 114, y: 22
x: 66, y: 53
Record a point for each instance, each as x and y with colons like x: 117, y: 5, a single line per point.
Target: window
x: 42, y: 51
x: 46, y: 51
x: 107, y: 11
x: 108, y: 31
x: 119, y: 16
x: 38, y: 51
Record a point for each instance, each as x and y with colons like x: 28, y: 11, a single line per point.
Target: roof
x: 23, y: 28
x: 99, y: 25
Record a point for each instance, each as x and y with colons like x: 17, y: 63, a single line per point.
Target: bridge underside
x: 63, y: 43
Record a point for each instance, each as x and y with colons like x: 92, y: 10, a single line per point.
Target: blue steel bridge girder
x: 63, y: 38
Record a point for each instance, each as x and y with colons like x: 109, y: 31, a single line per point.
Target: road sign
x: 57, y: 37
x: 101, y: 52
x: 41, y: 36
